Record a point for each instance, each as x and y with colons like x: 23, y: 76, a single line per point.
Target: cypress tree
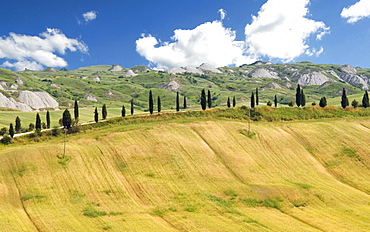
x: 234, y: 101
x: 252, y: 101
x: 66, y: 119
x: 177, y: 102
x: 257, y: 100
x: 38, y: 122
x: 132, y: 107
x: 76, y: 113
x: 185, y: 104
x: 203, y: 100
x: 344, y: 102
x: 323, y: 102
x: 228, y: 102
x: 123, y: 111
x: 150, y: 102
x: 11, y: 130
x: 159, y: 104
x: 209, y: 99
x: 303, y: 98
x: 18, y: 126
x: 47, y: 119
x: 365, y: 100
x: 298, y: 97
x: 96, y: 115
x: 275, y: 101
x: 104, y: 111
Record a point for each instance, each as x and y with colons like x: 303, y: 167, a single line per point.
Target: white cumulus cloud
x: 357, y: 11
x: 281, y: 30
x: 209, y: 42
x: 35, y: 52
x: 89, y: 16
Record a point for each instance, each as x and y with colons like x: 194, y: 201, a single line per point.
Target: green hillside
x: 192, y: 174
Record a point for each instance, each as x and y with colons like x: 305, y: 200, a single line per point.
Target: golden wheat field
x: 192, y: 176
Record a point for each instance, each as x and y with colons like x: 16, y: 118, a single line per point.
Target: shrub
x: 6, y: 140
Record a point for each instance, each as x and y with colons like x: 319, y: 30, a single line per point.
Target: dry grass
x: 198, y: 176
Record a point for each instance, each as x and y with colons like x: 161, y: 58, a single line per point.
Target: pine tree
x: 257, y: 100
x: 344, y: 102
x: 252, y: 101
x: 275, y: 101
x: 228, y: 102
x: 38, y: 122
x: 66, y: 119
x: 76, y: 112
x: 185, y: 104
x: 96, y: 115
x: 47, y: 119
x: 177, y: 102
x: 303, y: 98
x: 234, y: 101
x: 298, y: 97
x: 18, y: 126
x: 104, y: 111
x: 209, y: 99
x: 11, y: 130
x: 159, y: 104
x: 203, y: 100
x: 123, y: 111
x: 365, y: 100
x: 151, y: 102
x: 132, y: 107
x: 323, y: 102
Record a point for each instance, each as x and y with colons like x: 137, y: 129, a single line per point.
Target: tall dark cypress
x: 159, y: 104
x: 132, y: 107
x: 150, y: 102
x: 177, y: 102
x: 298, y: 97
x: 203, y: 100
x: 96, y: 115
x: 228, y: 102
x: 47, y: 119
x: 76, y: 113
x: 11, y: 130
x: 185, y: 104
x: 303, y: 98
x: 275, y: 101
x: 344, y: 102
x: 365, y: 100
x: 104, y: 111
x: 257, y: 98
x: 252, y: 101
x: 38, y: 122
x: 209, y: 99
x: 123, y: 111
x: 234, y: 101
x: 18, y: 126
x: 66, y: 119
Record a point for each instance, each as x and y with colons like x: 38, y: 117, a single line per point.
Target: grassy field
x: 187, y: 174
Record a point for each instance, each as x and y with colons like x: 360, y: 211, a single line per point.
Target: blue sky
x: 166, y: 34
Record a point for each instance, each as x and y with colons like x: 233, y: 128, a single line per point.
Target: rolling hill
x: 195, y: 174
